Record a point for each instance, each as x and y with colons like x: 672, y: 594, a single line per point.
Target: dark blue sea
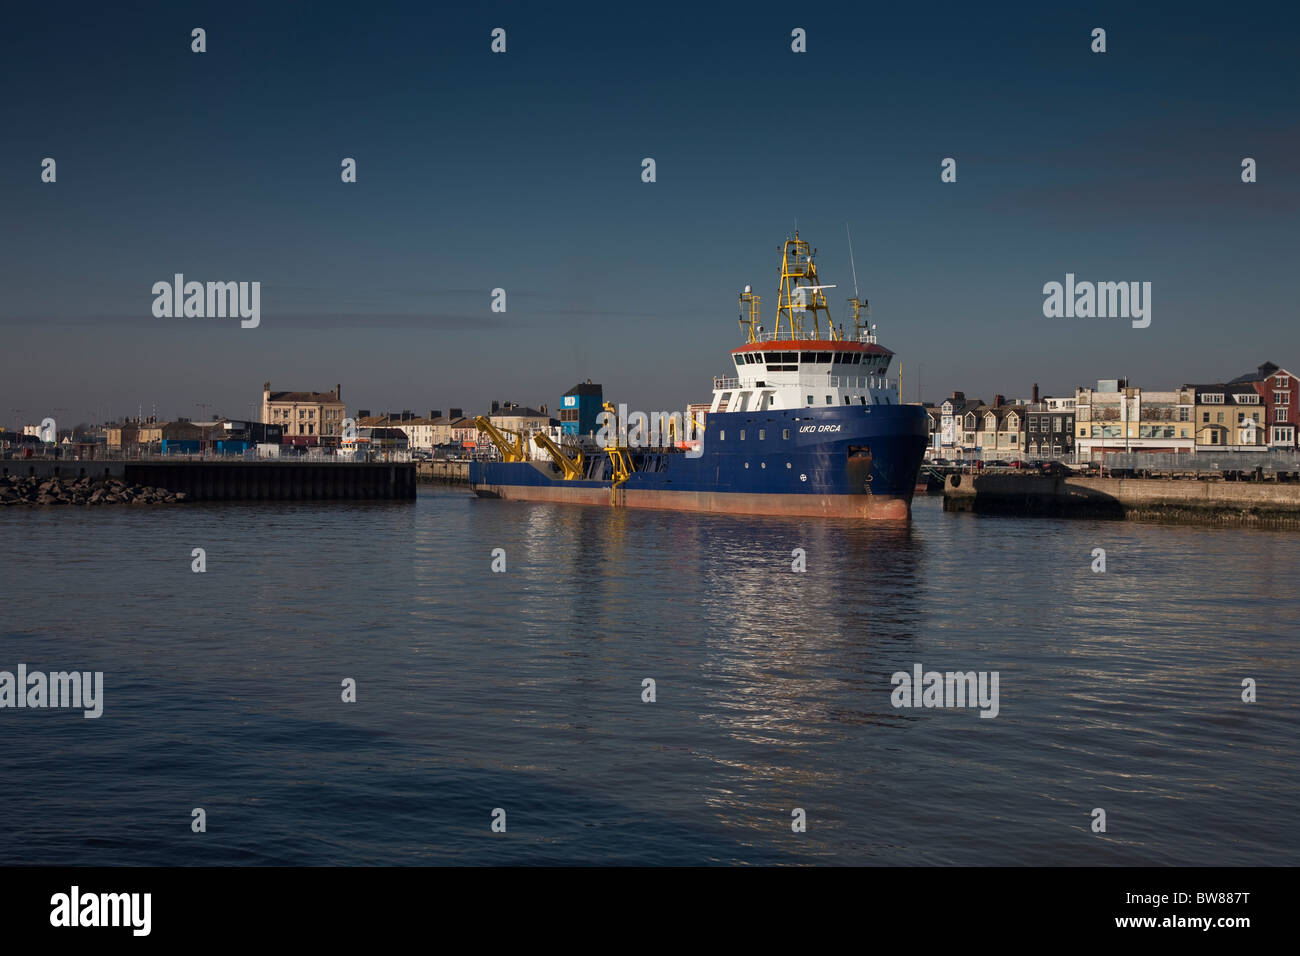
x: 522, y: 690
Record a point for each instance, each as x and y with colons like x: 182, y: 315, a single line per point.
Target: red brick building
x: 1279, y: 392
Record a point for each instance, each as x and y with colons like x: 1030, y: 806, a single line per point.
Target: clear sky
x: 523, y: 171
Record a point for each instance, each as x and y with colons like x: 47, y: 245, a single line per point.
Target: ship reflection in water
x: 524, y: 688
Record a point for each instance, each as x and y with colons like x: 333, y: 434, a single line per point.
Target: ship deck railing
x: 787, y: 335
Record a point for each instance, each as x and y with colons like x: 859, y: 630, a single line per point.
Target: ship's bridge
x: 787, y: 371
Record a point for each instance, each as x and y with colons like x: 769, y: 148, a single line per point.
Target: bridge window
x: 740, y: 360
x: 808, y: 356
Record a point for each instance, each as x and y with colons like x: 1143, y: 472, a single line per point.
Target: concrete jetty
x: 1238, y: 503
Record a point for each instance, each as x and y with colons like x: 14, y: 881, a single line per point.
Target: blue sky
x: 522, y: 171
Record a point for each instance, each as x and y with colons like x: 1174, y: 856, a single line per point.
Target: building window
x: 810, y: 399
x: 1281, y: 398
x: 1184, y: 414
x: 1205, y: 418
x: 1281, y: 415
x: 828, y: 400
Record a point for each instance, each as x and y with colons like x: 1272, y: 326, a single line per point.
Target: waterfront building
x: 419, y: 431
x: 932, y: 445
x: 997, y: 431
x: 955, y: 439
x: 1116, y: 418
x: 453, y: 429
x: 308, y: 418
x: 1279, y: 393
x: 134, y: 434
x: 1228, y: 418
x: 1049, y: 429
x: 519, y: 418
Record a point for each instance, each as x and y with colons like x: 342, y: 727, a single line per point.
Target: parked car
x: 1053, y: 469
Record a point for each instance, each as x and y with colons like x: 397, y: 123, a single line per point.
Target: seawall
x: 443, y: 472
x: 243, y: 480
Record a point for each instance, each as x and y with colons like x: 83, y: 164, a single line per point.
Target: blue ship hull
x: 855, y: 461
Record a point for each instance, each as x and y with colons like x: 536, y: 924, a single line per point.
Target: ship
x: 806, y: 422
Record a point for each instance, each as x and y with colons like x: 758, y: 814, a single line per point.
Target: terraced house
x: 997, y: 431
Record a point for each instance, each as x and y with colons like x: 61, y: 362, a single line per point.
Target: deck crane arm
x: 572, y: 467
x: 510, y: 451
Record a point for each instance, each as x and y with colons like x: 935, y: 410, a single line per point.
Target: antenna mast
x: 858, y: 307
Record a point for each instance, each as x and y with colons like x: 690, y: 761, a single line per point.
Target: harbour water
x: 522, y: 690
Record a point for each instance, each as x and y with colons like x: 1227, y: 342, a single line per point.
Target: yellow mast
x: 800, y: 292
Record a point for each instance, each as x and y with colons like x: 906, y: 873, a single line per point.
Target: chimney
x: 1035, y: 393
x: 338, y: 392
x: 435, y: 413
x: 959, y: 396
x: 456, y: 413
x: 998, y: 400
x: 496, y: 406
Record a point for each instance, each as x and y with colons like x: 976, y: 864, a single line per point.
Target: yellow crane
x: 619, y: 459
x: 571, y: 467
x: 515, y: 451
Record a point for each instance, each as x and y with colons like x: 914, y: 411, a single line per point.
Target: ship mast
x: 858, y: 308
x: 749, y: 323
x: 800, y: 293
